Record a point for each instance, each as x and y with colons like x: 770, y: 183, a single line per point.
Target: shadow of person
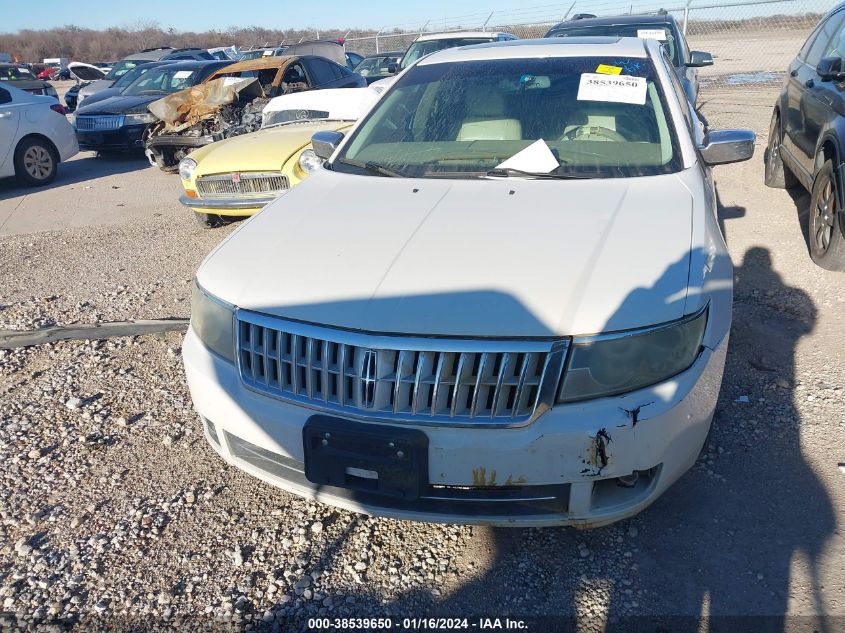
x: 732, y: 212
x: 724, y: 543
x: 801, y: 198
x: 718, y: 546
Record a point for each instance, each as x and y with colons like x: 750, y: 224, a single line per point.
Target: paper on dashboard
x: 537, y: 158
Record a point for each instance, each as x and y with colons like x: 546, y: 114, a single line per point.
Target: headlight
x: 139, y: 119
x: 187, y: 166
x: 309, y: 162
x: 617, y: 363
x: 214, y: 323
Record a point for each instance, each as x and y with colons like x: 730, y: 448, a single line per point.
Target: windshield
x: 661, y: 32
x: 462, y: 120
x: 376, y: 66
x: 15, y: 73
x: 131, y: 76
x: 421, y: 49
x: 86, y: 74
x: 161, y: 80
x: 123, y: 67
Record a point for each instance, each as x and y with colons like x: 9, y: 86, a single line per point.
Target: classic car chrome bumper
x: 227, y: 203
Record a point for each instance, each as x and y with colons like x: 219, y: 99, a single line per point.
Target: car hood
x: 100, y: 95
x: 118, y: 104
x: 258, y: 151
x: 95, y: 86
x: 505, y: 257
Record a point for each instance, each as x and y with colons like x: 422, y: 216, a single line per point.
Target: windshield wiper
x: 372, y: 167
x: 509, y: 171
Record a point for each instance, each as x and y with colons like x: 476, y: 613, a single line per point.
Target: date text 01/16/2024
x: 417, y: 624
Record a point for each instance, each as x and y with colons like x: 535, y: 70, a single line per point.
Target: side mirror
x: 325, y: 143
x: 699, y: 58
x: 830, y: 68
x: 392, y: 68
x: 727, y: 146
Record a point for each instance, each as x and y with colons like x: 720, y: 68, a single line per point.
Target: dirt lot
x: 114, y: 510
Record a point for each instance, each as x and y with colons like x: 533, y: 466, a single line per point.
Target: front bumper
x: 126, y: 137
x: 175, y: 140
x: 227, y: 206
x: 546, y: 473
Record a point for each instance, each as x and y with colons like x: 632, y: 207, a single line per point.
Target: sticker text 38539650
x: 614, y: 88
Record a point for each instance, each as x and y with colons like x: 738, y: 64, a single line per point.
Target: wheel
x: 210, y: 221
x: 777, y: 174
x: 35, y: 162
x: 827, y: 245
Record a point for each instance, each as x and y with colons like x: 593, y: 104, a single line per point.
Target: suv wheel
x: 35, y: 162
x: 827, y: 245
x: 777, y: 174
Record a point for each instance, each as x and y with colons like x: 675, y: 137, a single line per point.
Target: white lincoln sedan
x: 504, y: 299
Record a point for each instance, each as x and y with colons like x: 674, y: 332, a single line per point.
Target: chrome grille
x: 242, y: 184
x: 397, y: 378
x: 99, y: 123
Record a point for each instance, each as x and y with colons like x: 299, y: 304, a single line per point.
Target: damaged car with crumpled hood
x: 230, y: 101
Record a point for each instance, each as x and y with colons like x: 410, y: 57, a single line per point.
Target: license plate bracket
x: 379, y: 459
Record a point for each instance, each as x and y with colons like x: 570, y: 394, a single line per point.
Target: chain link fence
x: 752, y: 41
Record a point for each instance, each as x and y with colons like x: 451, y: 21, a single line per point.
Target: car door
x: 295, y: 78
x: 321, y: 72
x: 9, y: 121
x: 345, y: 78
x: 804, y: 100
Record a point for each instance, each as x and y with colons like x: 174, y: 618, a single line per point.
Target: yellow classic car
x: 236, y: 177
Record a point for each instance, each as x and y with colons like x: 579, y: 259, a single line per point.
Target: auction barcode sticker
x: 615, y: 88
x: 652, y: 34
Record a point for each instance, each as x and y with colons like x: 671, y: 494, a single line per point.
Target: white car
x: 433, y: 42
x: 505, y: 299
x: 35, y: 136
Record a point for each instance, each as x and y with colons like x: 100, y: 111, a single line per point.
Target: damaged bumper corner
x: 175, y: 140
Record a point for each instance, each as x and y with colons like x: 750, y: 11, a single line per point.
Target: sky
x: 220, y: 14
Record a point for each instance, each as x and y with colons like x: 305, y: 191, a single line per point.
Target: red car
x: 48, y: 73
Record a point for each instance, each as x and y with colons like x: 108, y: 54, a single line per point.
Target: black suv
x: 660, y: 27
x: 807, y: 136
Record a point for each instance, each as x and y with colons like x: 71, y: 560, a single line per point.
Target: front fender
x: 832, y: 133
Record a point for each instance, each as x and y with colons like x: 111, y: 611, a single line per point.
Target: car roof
x: 452, y: 35
x: 261, y: 63
x: 194, y: 64
x: 615, y: 20
x: 544, y: 47
x: 151, y: 54
x: 385, y: 54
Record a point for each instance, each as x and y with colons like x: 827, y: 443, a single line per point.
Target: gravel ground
x: 42, y: 285
x: 114, y: 511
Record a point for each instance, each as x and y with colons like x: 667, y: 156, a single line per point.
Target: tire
x: 827, y: 244
x: 210, y: 221
x: 777, y: 175
x: 36, y: 162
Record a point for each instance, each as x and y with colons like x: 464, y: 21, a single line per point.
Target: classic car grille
x: 243, y: 184
x: 421, y: 380
x: 99, y: 123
